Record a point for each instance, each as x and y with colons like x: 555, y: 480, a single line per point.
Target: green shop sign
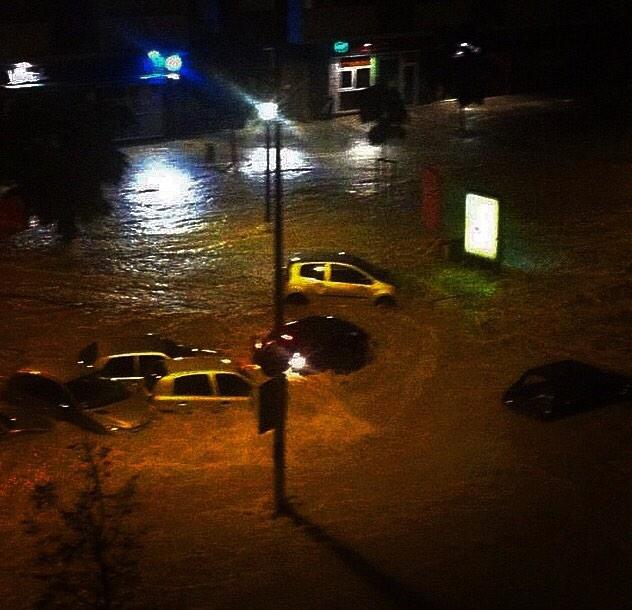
x: 341, y: 46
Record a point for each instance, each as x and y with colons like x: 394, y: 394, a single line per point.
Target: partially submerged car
x: 56, y: 393
x: 313, y: 344
x: 206, y: 382
x: 15, y: 421
x: 564, y: 387
x: 336, y: 274
x: 132, y: 359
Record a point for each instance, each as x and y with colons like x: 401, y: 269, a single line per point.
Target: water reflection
x: 362, y: 151
x: 162, y: 197
x: 292, y: 160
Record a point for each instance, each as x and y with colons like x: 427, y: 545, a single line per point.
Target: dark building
x: 317, y: 55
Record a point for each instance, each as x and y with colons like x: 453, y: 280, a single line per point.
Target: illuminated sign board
x: 341, y: 46
x: 481, y: 226
x: 23, y: 75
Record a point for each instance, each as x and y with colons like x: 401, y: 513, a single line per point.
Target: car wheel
x: 296, y: 298
x: 385, y: 301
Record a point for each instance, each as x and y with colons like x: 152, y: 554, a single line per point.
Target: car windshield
x: 93, y: 392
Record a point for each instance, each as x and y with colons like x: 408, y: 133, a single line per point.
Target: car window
x: 119, y: 366
x: 151, y: 365
x: 230, y: 384
x: 532, y: 379
x: 34, y: 387
x: 314, y: 271
x: 349, y: 275
x: 192, y: 385
x: 94, y: 392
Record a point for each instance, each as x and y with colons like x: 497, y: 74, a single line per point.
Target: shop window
x: 363, y: 78
x: 346, y: 79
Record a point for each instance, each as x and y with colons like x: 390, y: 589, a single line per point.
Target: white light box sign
x: 481, y: 226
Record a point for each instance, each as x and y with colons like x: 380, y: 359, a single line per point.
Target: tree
x: 86, y: 551
x: 58, y: 152
x: 382, y: 105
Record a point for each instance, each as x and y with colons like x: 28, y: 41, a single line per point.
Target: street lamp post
x: 278, y: 389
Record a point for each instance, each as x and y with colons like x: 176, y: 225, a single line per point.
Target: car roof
x: 122, y: 345
x: 567, y: 368
x: 340, y: 257
x: 61, y: 372
x: 199, y: 364
x: 319, y: 320
x: 147, y: 343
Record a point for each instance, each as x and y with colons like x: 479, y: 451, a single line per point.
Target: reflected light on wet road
x: 162, y: 197
x: 360, y: 150
x: 292, y: 159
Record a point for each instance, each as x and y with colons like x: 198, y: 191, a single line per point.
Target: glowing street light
x: 267, y: 111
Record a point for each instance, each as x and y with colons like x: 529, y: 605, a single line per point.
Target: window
x: 348, y: 275
x: 346, y: 79
x: 192, y: 385
x: 232, y: 385
x: 533, y: 379
x: 316, y: 272
x: 363, y: 77
x: 93, y: 392
x: 122, y: 366
x: 151, y: 365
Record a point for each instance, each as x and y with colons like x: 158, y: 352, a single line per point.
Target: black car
x: 561, y: 388
x: 95, y: 404
x: 312, y: 344
x: 15, y: 421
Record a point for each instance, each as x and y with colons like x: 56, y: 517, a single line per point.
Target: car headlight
x: 297, y: 362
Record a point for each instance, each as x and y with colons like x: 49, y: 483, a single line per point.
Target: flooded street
x: 411, y: 479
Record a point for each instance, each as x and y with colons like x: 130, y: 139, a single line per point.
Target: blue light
x: 156, y: 58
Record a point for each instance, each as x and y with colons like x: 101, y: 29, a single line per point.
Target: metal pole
x: 267, y: 211
x: 278, y: 236
x: 280, y: 502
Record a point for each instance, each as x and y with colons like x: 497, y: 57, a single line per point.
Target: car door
x: 347, y: 281
x: 120, y: 368
x: 311, y: 278
x: 184, y: 391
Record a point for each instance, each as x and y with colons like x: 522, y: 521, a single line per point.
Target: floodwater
x: 412, y: 463
x: 187, y: 238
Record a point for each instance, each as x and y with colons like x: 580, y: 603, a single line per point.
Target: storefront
x: 354, y: 68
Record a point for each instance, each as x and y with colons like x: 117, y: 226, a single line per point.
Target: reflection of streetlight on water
x: 267, y: 112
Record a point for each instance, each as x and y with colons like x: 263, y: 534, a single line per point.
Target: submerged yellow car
x: 336, y: 274
x: 183, y: 384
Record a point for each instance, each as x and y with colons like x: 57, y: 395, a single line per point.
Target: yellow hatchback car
x: 336, y: 274
x: 183, y: 384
